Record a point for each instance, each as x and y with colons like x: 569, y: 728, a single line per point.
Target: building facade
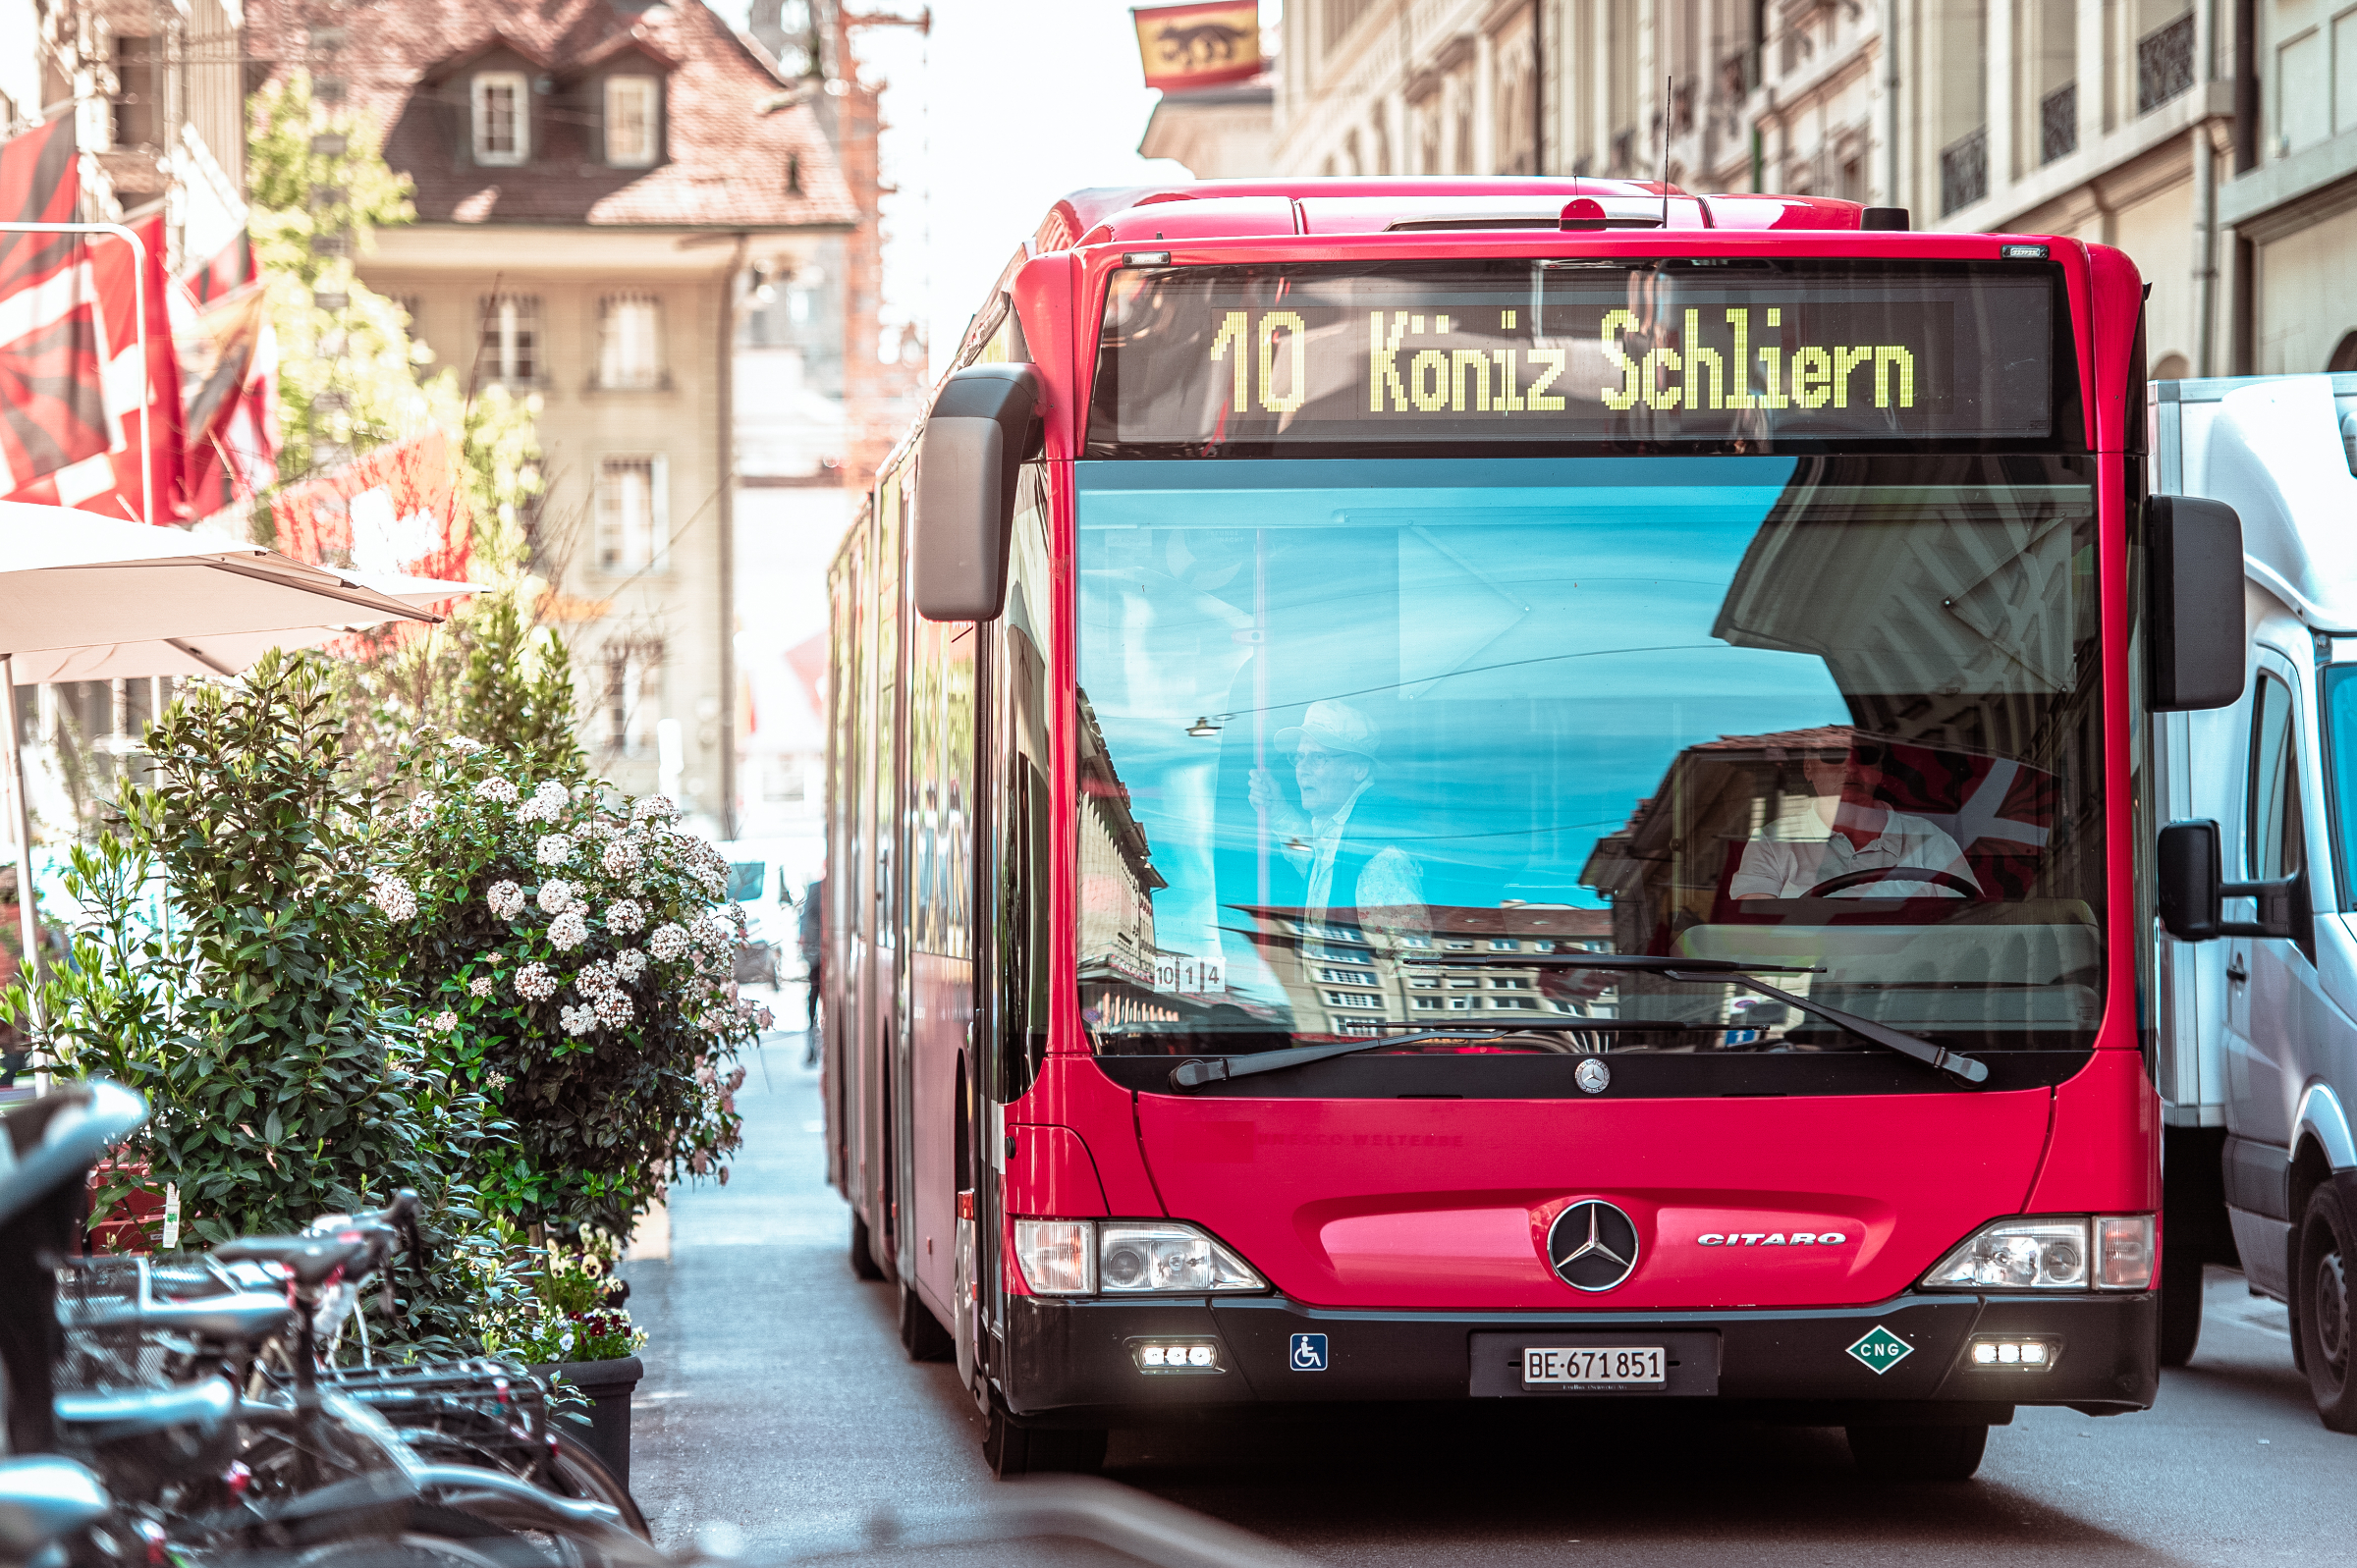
x: 597, y: 184
x: 2125, y: 122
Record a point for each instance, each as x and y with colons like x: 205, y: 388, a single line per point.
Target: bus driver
x: 1333, y: 841
x: 1862, y: 834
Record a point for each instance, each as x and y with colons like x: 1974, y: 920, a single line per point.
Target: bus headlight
x: 1058, y: 1256
x: 2074, y: 1252
x: 1136, y: 1257
x: 1126, y: 1257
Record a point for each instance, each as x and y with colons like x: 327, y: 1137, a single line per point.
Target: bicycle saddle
x: 91, y: 1418
x: 311, y: 1259
x: 41, y: 1498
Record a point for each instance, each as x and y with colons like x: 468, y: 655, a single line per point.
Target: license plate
x: 1611, y: 1367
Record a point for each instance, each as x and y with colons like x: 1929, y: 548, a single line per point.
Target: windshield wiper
x: 1193, y: 1075
x: 1969, y: 1068
x: 1200, y: 1070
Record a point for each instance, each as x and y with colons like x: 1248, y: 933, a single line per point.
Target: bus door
x: 883, y: 1038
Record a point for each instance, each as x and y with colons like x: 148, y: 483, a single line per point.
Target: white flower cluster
x: 553, y: 850
x: 535, y: 982
x: 556, y: 896
x: 614, y: 1008
x: 669, y: 942
x: 462, y: 745
x: 654, y: 807
x: 567, y: 931
x: 482, y: 985
x: 597, y: 978
x: 624, y: 916
x: 499, y: 790
x: 506, y: 900
x: 630, y: 964
x: 443, y: 1022
x: 577, y: 1020
x: 422, y: 809
x: 621, y: 858
x: 393, y: 895
x: 548, y: 802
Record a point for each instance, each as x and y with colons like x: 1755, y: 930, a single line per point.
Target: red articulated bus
x: 1449, y: 790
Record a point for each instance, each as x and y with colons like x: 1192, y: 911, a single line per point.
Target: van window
x: 2271, y: 838
x: 745, y: 880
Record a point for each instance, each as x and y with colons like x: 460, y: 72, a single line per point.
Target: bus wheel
x: 2321, y: 1291
x: 2180, y: 1305
x: 863, y: 1260
x: 1012, y: 1450
x: 922, y: 1334
x: 1918, y: 1453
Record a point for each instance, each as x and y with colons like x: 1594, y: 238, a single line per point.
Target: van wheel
x: 2321, y: 1292
x: 922, y: 1334
x: 2180, y: 1305
x: 1012, y: 1450
x: 1918, y: 1453
x: 863, y: 1260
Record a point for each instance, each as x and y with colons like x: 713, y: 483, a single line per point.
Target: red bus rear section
x: 1542, y: 802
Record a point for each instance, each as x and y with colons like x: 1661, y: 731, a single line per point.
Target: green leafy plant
x: 569, y: 1312
x: 573, y: 959
x: 234, y: 967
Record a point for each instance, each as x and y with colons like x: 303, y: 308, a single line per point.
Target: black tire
x: 580, y: 1474
x: 2180, y: 1305
x: 1012, y: 1450
x: 2322, y: 1312
x: 922, y: 1334
x: 863, y: 1258
x: 1918, y: 1453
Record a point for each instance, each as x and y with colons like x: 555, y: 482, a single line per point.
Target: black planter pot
x: 607, y: 1385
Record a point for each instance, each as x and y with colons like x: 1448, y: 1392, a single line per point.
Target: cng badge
x: 1880, y: 1350
x: 1309, y: 1352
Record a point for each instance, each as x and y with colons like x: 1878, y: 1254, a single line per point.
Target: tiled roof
x: 737, y: 141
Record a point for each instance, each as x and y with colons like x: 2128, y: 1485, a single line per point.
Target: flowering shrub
x: 566, y: 1314
x: 614, y: 1057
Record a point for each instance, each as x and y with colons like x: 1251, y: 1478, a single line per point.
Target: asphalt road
x: 779, y: 1405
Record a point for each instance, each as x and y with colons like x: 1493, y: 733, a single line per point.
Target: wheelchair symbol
x: 1309, y: 1352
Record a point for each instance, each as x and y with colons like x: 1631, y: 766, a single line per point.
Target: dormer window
x: 634, y: 105
x: 502, y: 123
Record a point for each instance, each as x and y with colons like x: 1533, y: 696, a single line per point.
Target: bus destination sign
x: 1293, y: 357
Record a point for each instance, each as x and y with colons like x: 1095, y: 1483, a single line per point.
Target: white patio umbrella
x: 84, y: 597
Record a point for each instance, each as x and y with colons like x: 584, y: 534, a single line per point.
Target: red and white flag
x: 229, y: 374
x: 53, y: 411
x: 141, y: 390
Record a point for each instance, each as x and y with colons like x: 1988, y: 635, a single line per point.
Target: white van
x: 2255, y: 1014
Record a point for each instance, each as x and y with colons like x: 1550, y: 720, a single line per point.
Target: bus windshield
x: 1375, y: 746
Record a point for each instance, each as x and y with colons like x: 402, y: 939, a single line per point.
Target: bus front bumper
x: 1917, y: 1357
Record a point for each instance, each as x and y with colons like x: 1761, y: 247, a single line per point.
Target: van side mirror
x: 2191, y: 894
x: 966, y: 468
x: 2194, y: 574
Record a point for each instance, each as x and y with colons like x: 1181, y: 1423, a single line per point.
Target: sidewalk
x: 777, y: 1397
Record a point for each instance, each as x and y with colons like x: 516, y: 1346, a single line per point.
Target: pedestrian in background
x: 810, y: 935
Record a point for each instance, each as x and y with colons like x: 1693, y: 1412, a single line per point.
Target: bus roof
x: 1247, y: 208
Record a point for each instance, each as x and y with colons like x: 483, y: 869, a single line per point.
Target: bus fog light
x: 2124, y: 1251
x: 1134, y: 1255
x: 1178, y: 1355
x: 2019, y: 1255
x: 2016, y: 1353
x: 1058, y: 1257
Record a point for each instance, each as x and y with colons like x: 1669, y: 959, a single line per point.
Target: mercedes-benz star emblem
x: 1592, y: 1245
x: 1592, y: 1075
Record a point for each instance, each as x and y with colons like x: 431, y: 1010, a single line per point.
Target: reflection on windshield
x: 1375, y: 746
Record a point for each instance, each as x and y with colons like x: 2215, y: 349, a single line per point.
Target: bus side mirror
x: 2194, y: 569
x: 965, y: 476
x: 2191, y: 894
x: 2187, y: 873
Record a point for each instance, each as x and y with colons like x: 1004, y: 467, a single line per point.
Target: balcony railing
x: 2164, y: 64
x: 2058, y: 123
x: 1963, y: 172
